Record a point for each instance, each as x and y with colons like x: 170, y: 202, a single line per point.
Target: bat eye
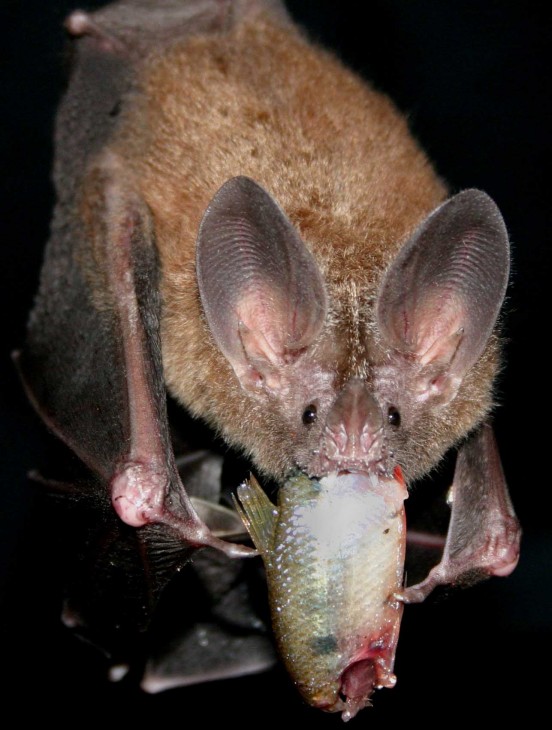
x: 309, y: 414
x: 394, y: 417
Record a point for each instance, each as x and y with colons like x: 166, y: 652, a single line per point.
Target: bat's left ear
x: 263, y: 295
x: 440, y: 298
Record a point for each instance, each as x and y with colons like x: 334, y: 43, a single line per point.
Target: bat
x: 293, y: 272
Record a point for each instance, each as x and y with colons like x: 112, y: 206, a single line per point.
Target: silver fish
x: 334, y: 551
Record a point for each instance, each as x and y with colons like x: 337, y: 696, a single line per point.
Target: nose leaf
x: 353, y: 427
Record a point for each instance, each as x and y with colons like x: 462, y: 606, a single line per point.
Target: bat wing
x: 92, y: 362
x: 92, y: 367
x: 484, y: 534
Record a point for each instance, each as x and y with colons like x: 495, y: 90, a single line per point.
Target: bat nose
x: 353, y: 426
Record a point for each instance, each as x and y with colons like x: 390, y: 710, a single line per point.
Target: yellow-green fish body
x: 334, y: 554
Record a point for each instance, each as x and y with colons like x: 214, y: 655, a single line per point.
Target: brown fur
x: 261, y: 101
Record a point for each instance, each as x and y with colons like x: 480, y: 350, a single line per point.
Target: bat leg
x: 146, y: 487
x: 484, y: 534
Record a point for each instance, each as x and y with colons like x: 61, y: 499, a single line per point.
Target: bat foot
x: 502, y: 549
x: 137, y: 493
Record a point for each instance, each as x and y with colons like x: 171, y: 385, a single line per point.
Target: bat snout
x: 353, y: 433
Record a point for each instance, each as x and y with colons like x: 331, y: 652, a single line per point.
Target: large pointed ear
x: 440, y: 299
x: 262, y: 293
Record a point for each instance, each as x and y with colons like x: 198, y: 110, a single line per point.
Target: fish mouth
x: 356, y: 686
x: 367, y: 668
x: 362, y: 677
x: 358, y: 682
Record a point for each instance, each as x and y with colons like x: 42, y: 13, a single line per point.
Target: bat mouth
x: 378, y: 465
x: 353, y: 470
x: 376, y: 461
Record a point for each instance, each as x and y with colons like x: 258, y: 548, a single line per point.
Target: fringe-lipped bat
x: 243, y: 222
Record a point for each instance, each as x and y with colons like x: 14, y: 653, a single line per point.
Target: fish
x: 333, y: 551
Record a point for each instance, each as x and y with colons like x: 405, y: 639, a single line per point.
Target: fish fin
x: 257, y: 512
x: 222, y: 521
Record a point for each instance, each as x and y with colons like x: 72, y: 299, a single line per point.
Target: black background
x: 472, y: 77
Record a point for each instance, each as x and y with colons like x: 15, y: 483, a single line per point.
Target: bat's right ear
x: 263, y: 295
x: 440, y: 298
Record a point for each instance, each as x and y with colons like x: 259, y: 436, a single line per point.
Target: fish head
x: 355, y: 686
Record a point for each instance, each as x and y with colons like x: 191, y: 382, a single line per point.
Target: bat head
x: 394, y: 378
